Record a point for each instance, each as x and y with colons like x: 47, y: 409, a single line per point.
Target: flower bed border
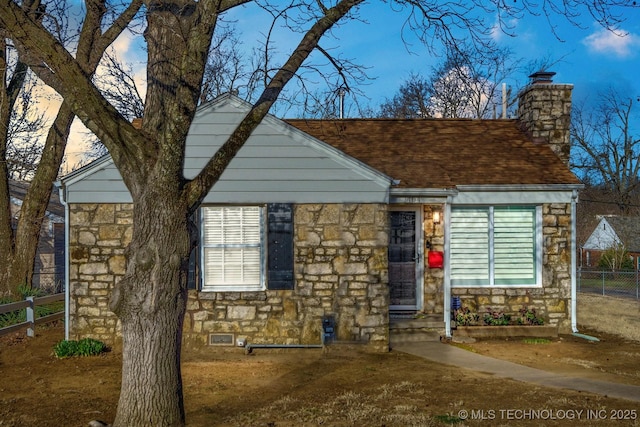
x: 506, y: 331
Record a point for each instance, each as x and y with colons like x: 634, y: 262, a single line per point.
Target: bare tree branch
x: 605, y: 150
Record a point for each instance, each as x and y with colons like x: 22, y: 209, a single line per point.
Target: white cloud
x: 620, y: 44
x: 503, y: 27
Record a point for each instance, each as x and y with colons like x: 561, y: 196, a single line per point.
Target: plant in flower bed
x: 529, y: 317
x: 84, y: 347
x: 464, y: 317
x: 496, y: 318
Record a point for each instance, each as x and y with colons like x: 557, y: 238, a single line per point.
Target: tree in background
x: 605, y: 151
x: 616, y: 258
x: 150, y: 300
x: 25, y: 125
x: 411, y: 101
x: 467, y: 84
x: 20, y: 243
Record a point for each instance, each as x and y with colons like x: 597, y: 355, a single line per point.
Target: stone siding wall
x: 551, y: 302
x: 340, y: 270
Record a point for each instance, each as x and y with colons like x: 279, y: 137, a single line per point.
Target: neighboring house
x: 49, y: 265
x: 352, y: 222
x: 612, y: 231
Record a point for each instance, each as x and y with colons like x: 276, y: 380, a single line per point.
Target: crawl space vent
x: 221, y: 339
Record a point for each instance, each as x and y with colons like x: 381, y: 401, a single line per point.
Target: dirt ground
x: 341, y: 386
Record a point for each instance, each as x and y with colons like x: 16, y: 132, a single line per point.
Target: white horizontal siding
x: 277, y: 164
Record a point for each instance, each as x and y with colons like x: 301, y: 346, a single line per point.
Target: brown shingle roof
x: 443, y: 153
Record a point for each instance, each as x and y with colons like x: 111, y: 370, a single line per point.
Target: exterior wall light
x: 436, y: 217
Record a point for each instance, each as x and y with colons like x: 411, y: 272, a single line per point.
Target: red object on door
x: 435, y: 259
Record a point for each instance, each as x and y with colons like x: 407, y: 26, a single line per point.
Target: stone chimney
x: 544, y: 111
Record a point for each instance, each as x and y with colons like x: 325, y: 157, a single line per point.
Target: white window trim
x: 539, y: 238
x: 233, y: 287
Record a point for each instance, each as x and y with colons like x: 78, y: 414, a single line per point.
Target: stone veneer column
x: 342, y: 268
x: 98, y: 236
x: 433, y: 277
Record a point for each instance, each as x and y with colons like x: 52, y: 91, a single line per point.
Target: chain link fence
x: 624, y: 283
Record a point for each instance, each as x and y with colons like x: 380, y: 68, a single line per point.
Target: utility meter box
x: 328, y: 329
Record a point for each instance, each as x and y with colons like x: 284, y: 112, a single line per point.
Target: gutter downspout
x: 63, y: 200
x: 447, y: 269
x: 574, y: 296
x: 574, y: 293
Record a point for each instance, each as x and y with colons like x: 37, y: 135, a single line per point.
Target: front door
x: 404, y: 259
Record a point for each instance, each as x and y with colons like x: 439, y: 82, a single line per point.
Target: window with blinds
x: 470, y: 246
x: 232, y: 246
x: 495, y: 246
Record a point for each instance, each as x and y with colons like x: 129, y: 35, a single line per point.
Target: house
x: 49, y: 267
x: 612, y: 232
x: 351, y: 222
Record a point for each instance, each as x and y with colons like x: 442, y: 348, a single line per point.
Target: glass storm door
x: 403, y: 259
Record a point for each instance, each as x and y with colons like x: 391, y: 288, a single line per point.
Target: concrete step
x: 425, y: 328
x: 412, y: 337
x: 431, y: 321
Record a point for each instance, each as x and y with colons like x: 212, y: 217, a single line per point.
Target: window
x: 496, y: 246
x: 232, y: 248
x: 245, y: 248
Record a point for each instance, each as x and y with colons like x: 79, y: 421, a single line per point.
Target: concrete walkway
x: 452, y: 355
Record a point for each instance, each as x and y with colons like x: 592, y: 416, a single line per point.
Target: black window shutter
x: 280, y: 246
x: 193, y: 277
x: 58, y: 255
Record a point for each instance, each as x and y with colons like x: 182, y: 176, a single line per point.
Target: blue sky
x: 590, y: 57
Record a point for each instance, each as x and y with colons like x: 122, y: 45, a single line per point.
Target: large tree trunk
x: 150, y: 301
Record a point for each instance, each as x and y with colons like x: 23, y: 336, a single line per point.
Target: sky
x: 589, y: 57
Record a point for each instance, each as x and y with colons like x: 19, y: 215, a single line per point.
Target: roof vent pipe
x: 504, y: 100
x: 342, y: 91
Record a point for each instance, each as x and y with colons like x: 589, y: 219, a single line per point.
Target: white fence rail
x: 30, y: 304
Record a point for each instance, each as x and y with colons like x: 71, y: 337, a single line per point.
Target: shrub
x: 616, y: 258
x: 84, y: 347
